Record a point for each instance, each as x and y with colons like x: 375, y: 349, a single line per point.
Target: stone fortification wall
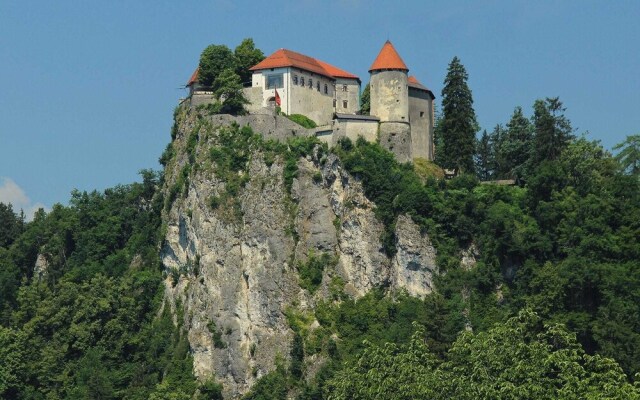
x: 198, y: 99
x: 274, y: 127
x: 389, y: 96
x: 254, y: 96
x: 420, y: 118
x: 396, y: 137
x: 354, y: 129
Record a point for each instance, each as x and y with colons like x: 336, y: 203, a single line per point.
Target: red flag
x: 278, y: 102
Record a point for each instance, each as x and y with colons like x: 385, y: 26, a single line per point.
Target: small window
x: 344, y: 88
x: 326, y: 89
x: 345, y: 103
x: 295, y: 79
x: 318, y: 85
x: 310, y: 83
x: 301, y: 81
x: 274, y: 81
x: 421, y: 114
x: 334, y: 103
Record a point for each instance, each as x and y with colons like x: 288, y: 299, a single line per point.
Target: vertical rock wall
x: 232, y: 275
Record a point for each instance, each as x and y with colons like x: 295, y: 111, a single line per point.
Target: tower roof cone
x: 388, y: 58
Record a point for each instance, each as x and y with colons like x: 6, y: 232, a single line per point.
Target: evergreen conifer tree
x: 553, y: 130
x: 516, y: 147
x: 485, y: 160
x: 496, y: 138
x: 459, y: 125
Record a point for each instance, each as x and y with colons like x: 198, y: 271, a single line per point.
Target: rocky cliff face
x: 232, y: 268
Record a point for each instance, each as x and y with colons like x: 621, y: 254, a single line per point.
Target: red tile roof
x: 414, y: 83
x: 194, y: 77
x: 287, y: 58
x: 388, y: 58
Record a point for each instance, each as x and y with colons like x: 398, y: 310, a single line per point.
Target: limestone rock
x: 233, y: 272
x: 415, y: 261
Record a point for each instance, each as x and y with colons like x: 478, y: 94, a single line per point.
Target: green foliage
x: 167, y: 155
x: 224, y: 72
x: 210, y: 390
x: 521, y: 358
x: 484, y: 159
x: 311, y: 271
x: 629, y: 154
x: 365, y: 100
x: 297, y: 356
x: 88, y: 327
x: 302, y: 120
x: 213, y: 61
x: 216, y: 336
x: 515, y: 147
x: 273, y: 386
x: 458, y: 125
x: 552, y: 129
x: 229, y: 91
x: 246, y: 56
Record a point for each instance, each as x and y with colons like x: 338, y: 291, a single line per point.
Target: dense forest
x: 550, y: 310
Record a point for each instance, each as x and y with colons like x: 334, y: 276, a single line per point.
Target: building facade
x: 306, y: 86
x: 401, y: 116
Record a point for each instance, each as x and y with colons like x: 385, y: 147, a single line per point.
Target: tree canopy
x: 458, y: 124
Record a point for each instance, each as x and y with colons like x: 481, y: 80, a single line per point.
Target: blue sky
x: 87, y: 88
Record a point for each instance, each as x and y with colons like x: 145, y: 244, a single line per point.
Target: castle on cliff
x: 401, y: 115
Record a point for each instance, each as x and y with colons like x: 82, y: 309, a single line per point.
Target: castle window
x: 344, y: 88
x: 295, y: 79
x: 274, y: 81
x: 318, y: 85
x: 301, y: 81
x: 345, y: 103
x: 326, y: 89
x: 421, y: 114
x: 334, y: 103
x: 310, y: 83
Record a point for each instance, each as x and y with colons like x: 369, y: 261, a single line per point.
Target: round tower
x: 389, y: 91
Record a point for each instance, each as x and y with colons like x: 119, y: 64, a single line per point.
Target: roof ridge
x: 289, y: 58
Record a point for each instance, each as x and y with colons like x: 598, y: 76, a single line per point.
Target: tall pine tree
x: 553, y: 130
x: 458, y: 125
x: 517, y: 145
x: 485, y: 160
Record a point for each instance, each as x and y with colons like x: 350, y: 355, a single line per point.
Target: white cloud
x: 11, y: 193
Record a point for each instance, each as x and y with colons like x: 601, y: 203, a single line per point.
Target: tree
x: 485, y: 160
x: 229, y: 91
x: 496, y: 137
x: 515, y: 148
x: 629, y: 155
x: 365, y: 101
x: 519, y: 359
x: 213, y: 60
x: 553, y: 130
x: 459, y: 125
x: 246, y: 56
x: 11, y: 225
